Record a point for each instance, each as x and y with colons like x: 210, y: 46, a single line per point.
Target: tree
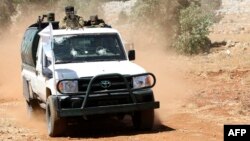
x: 194, y: 23
x: 6, y: 10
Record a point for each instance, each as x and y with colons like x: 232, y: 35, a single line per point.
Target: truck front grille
x: 104, y: 83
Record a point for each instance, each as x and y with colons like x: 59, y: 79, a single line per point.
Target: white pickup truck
x: 83, y: 73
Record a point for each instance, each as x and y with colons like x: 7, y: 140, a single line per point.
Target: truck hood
x: 89, y: 69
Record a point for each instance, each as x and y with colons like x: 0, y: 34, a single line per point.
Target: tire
x: 32, y: 105
x: 143, y: 120
x: 26, y: 89
x: 56, y: 125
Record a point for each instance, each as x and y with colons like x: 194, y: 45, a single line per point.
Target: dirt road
x: 198, y: 94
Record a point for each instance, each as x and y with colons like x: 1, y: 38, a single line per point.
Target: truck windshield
x: 90, y: 47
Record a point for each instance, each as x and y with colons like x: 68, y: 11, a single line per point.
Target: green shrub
x: 156, y: 13
x: 194, y: 23
x: 6, y: 10
x: 187, y: 20
x: 155, y: 19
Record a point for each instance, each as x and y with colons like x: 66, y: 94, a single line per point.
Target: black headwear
x: 69, y: 9
x: 94, y: 18
x: 51, y: 17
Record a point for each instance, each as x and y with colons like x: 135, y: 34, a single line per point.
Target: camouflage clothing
x: 96, y: 22
x: 72, y: 23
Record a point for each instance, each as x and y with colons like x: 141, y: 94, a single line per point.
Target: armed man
x: 96, y: 22
x: 71, y: 20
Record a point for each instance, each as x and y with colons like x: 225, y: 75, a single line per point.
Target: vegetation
x: 6, y: 10
x: 194, y: 25
x: 159, y: 14
x: 188, y: 20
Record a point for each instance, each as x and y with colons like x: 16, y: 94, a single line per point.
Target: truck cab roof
x: 84, y: 30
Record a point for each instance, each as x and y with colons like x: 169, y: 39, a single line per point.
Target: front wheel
x: 143, y: 120
x: 56, y: 125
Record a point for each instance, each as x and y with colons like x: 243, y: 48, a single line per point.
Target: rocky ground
x: 198, y: 94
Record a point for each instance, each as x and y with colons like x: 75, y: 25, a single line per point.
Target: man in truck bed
x: 71, y: 20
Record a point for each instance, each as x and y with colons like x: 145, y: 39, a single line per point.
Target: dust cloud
x: 154, y: 53
x: 10, y: 46
x: 10, y: 84
x: 10, y: 72
x: 169, y: 68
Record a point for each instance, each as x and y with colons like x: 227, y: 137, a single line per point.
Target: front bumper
x: 109, y: 109
x: 71, y: 106
x: 127, y: 100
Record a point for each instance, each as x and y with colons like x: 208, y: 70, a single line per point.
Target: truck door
x: 45, y: 42
x: 40, y: 79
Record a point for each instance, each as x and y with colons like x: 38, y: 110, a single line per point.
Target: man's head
x: 69, y: 10
x: 93, y: 19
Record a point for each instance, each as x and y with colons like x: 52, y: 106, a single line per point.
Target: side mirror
x: 131, y: 55
x: 47, y: 72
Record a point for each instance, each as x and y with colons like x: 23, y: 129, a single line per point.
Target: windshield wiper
x: 63, y: 61
x: 100, y: 60
x: 78, y: 61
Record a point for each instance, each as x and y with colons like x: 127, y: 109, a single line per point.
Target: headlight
x: 68, y: 86
x: 141, y: 81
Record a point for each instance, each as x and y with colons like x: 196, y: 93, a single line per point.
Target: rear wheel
x: 33, y: 109
x: 56, y: 125
x: 32, y: 105
x: 143, y: 120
